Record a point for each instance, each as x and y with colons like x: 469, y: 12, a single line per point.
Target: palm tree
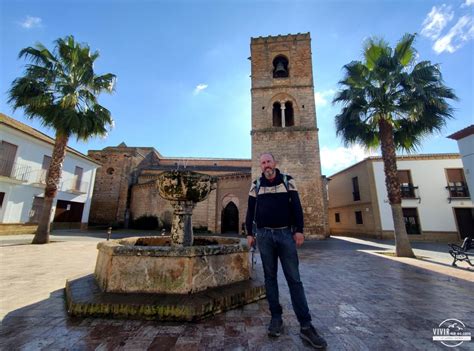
x: 60, y: 88
x: 392, y: 101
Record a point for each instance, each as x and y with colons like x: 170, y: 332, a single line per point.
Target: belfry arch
x: 283, y: 108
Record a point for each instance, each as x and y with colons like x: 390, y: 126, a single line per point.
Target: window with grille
x: 457, y: 185
x: 355, y: 189
x: 412, y: 222
x: 407, y: 188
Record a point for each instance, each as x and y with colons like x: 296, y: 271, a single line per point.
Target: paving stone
x: 358, y: 301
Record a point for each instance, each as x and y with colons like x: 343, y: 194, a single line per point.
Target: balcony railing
x: 457, y: 191
x: 37, y: 177
x: 15, y: 171
x: 74, y: 185
x: 409, y: 192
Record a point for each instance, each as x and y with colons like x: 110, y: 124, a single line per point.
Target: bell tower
x: 284, y: 119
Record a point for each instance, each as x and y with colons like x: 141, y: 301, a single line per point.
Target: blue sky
x: 183, y: 75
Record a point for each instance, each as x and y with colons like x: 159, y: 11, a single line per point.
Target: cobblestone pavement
x: 359, y: 301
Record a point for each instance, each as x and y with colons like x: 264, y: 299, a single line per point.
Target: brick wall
x: 296, y: 148
x: 112, y: 182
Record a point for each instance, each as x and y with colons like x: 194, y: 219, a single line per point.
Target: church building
x: 283, y: 123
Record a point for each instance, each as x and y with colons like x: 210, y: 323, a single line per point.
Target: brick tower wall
x: 111, y: 184
x: 296, y: 148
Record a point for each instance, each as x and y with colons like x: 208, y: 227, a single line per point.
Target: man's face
x: 267, y: 164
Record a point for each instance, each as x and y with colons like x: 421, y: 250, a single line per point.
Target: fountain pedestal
x: 184, y: 189
x: 182, y: 225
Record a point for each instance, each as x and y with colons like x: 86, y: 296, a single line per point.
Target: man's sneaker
x: 275, y: 328
x: 311, y: 335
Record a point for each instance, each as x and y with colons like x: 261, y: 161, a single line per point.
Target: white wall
x: 19, y: 195
x: 466, y: 149
x: 435, y: 212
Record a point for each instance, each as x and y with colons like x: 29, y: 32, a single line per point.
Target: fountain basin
x: 152, y: 265
x: 185, y: 186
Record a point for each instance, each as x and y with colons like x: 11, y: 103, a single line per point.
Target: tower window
x: 358, y: 217
x: 289, y: 119
x: 277, y: 114
x: 280, y: 67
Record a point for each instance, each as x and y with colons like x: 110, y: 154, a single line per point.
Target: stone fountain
x: 184, y: 189
x: 168, y: 278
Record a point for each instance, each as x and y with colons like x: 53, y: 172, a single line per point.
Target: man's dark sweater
x: 277, y: 206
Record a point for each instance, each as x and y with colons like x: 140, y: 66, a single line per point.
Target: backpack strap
x: 285, y: 181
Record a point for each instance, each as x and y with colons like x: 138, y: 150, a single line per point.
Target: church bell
x: 280, y: 70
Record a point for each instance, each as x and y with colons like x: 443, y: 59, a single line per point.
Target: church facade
x: 283, y: 123
x: 125, y: 188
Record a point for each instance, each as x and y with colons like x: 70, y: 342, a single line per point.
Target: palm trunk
x: 402, y: 243
x: 52, y: 181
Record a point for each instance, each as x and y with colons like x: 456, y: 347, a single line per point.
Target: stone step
x: 85, y: 299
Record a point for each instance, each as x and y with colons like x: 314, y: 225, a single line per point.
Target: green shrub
x: 148, y: 222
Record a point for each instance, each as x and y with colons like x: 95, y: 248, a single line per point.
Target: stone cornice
x: 280, y: 38
x: 284, y: 87
x: 234, y: 175
x: 283, y: 130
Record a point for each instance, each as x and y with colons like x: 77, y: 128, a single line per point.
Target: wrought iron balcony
x: 457, y: 191
x: 409, y: 192
x: 14, y: 171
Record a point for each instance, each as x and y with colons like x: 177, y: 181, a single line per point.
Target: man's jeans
x: 279, y: 243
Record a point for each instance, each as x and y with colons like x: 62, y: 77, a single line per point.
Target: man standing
x: 275, y: 221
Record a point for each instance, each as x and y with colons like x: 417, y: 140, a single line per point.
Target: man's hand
x: 250, y: 240
x: 298, y: 238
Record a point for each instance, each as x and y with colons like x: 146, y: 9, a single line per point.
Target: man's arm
x: 296, y: 208
x: 297, y: 213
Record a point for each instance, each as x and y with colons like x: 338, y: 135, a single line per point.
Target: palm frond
x: 61, y: 89
x: 404, y: 51
x: 374, y: 48
x: 383, y: 89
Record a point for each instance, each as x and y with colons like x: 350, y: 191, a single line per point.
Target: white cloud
x: 461, y: 32
x: 31, y: 22
x: 334, y: 160
x: 468, y: 3
x: 436, y: 20
x: 199, y: 88
x: 321, y: 97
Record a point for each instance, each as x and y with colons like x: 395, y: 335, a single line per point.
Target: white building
x: 435, y: 199
x: 25, y: 154
x: 465, y: 139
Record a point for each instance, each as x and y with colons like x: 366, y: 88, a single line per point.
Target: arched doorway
x: 230, y: 218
